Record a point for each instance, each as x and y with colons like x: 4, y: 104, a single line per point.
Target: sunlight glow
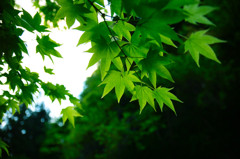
x: 69, y: 70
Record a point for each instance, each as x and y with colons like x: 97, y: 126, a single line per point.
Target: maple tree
x: 131, y: 43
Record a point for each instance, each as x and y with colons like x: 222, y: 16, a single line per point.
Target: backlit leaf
x: 69, y: 113
x: 198, y: 43
x: 119, y: 81
x: 163, y: 96
x: 122, y: 28
x: 167, y: 41
x: 48, y: 70
x: 46, y: 47
x: 103, y: 51
x: 154, y: 64
x: 72, y: 12
x: 144, y: 96
x: 197, y: 14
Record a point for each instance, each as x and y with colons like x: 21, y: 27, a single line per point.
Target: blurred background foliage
x: 49, y: 10
x: 206, y: 125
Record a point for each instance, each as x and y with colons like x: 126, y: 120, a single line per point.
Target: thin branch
x: 103, y: 16
x: 114, y: 17
x: 182, y: 36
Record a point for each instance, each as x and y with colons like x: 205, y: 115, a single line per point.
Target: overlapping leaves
x: 154, y: 65
x: 144, y: 96
x: 130, y: 45
x: 119, y: 81
x: 30, y: 23
x: 24, y: 84
x: 105, y: 52
x: 138, y: 35
x: 72, y: 12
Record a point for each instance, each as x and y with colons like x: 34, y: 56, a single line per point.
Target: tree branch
x: 103, y: 16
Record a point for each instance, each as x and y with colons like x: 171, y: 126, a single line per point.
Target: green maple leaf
x: 71, y: 12
x: 46, y: 47
x: 167, y: 41
x: 57, y: 91
x: 122, y: 28
x: 48, y: 70
x: 106, y: 63
x: 198, y: 43
x: 159, y: 23
x: 69, y: 113
x: 28, y: 91
x: 118, y: 63
x: 154, y: 65
x: 144, y: 96
x: 115, y: 7
x: 105, y: 66
x: 163, y: 96
x: 89, y: 32
x: 105, y: 52
x: 136, y: 48
x: 30, y: 23
x: 119, y: 81
x: 134, y: 51
x: 75, y: 101
x: 94, y: 31
x: 197, y: 14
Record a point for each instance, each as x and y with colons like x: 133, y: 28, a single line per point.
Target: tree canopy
x: 133, y: 43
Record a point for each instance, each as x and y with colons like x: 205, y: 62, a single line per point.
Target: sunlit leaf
x: 46, y: 47
x: 72, y: 12
x: 122, y: 29
x: 69, y: 113
x: 105, y: 52
x: 163, y: 96
x: 48, y: 70
x: 119, y: 81
x: 155, y: 64
x: 144, y: 96
x: 198, y: 43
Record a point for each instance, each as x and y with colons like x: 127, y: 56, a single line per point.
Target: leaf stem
x: 182, y: 36
x: 115, y: 40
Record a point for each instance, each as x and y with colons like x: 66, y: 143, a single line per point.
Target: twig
x: 182, y: 36
x: 103, y: 16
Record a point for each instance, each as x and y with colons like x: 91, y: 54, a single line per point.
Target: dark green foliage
x: 25, y: 132
x: 137, y: 35
x: 49, y: 10
x: 206, y: 125
x: 46, y: 47
x: 135, y: 46
x: 23, y: 83
x: 105, y: 126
